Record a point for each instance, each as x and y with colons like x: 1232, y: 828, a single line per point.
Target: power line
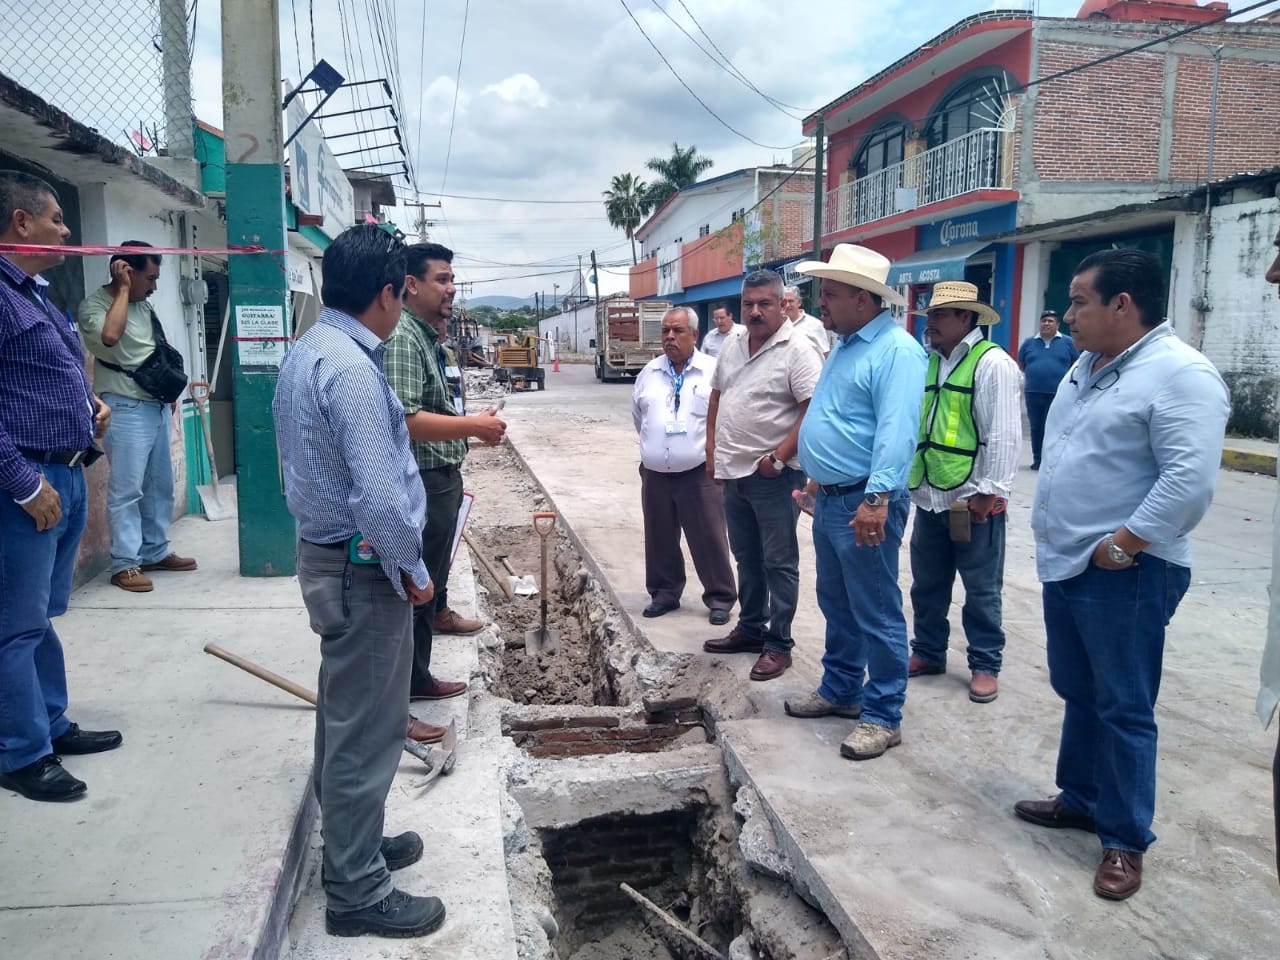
x: 777, y: 103
x: 727, y: 66
x: 719, y: 119
x: 422, y: 66
x: 457, y: 80
x: 297, y: 44
x: 463, y: 196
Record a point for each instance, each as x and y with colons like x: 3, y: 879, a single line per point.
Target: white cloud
x: 556, y: 97
x: 519, y: 88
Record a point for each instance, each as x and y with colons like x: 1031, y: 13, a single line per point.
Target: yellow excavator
x: 515, y: 361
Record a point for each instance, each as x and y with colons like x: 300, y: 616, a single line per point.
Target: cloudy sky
x: 553, y: 97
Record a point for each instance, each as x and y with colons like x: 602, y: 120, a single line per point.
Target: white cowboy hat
x: 857, y: 266
x: 958, y: 295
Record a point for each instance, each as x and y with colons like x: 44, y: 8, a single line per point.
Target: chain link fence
x: 114, y: 66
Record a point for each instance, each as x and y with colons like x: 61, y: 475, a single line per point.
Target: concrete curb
x: 1249, y: 461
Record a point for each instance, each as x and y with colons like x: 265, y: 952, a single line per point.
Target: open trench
x: 615, y: 776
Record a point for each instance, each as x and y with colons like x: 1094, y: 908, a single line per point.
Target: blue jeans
x: 1105, y: 632
x: 935, y: 560
x: 35, y: 585
x: 1037, y: 413
x: 858, y: 594
x: 140, y: 488
x: 761, y: 516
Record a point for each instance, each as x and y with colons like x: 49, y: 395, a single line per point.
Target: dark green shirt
x: 414, y: 364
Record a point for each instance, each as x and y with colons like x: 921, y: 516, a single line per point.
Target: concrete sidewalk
x: 918, y: 853
x: 199, y: 834
x: 191, y: 828
x: 1251, y: 456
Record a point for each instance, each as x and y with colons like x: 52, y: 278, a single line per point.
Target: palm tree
x: 680, y: 169
x: 626, y: 203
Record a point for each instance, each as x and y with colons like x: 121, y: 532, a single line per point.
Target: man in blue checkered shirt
x: 353, y: 487
x: 49, y: 419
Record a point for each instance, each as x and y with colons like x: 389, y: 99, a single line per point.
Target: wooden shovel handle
x: 544, y: 521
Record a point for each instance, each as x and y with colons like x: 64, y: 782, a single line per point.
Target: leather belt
x: 336, y: 545
x: 840, y: 489
x: 66, y: 458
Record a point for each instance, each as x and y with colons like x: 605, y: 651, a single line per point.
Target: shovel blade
x: 541, y: 640
x: 523, y: 586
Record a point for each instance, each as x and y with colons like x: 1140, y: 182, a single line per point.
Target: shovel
x: 539, y: 639
x: 219, y: 502
x: 524, y: 586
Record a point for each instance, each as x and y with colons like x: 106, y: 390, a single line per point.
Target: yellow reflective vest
x: 948, y: 440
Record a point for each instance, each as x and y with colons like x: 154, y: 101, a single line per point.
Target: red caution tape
x: 37, y: 249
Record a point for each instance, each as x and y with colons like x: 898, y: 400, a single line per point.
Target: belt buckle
x: 77, y: 458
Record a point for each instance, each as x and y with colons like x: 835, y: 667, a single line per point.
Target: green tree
x: 679, y: 170
x: 626, y: 203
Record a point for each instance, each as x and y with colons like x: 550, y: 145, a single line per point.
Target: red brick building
x: 1004, y: 122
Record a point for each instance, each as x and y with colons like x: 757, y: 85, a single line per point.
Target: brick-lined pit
x: 588, y: 861
x: 551, y: 731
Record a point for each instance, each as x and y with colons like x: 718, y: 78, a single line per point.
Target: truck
x: 628, y: 335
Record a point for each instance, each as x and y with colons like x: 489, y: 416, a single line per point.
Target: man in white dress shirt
x: 805, y: 323
x: 669, y: 409
x: 722, y: 317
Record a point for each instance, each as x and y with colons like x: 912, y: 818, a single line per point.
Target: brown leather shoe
x: 735, y: 642
x: 1119, y: 874
x: 424, y: 732
x: 983, y: 688
x: 435, y: 689
x: 1055, y: 814
x: 917, y: 667
x: 172, y: 562
x: 770, y: 665
x: 448, y: 621
x: 133, y: 580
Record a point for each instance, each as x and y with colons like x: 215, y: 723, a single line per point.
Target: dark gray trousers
x: 444, y: 497
x: 689, y: 501
x: 362, y: 712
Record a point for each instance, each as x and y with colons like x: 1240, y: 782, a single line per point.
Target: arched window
x: 977, y: 104
x: 882, y: 148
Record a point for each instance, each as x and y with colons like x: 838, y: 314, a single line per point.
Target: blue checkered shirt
x: 345, y: 447
x: 46, y: 402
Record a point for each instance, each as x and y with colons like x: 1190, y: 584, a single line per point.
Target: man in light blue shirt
x: 1132, y: 447
x: 352, y: 484
x: 856, y: 445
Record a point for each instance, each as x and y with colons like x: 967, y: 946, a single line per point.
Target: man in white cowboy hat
x: 856, y: 445
x: 806, y: 324
x: 966, y: 459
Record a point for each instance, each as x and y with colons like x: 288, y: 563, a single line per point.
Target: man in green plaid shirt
x: 419, y: 369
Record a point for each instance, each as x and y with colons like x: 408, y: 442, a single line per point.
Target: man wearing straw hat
x: 965, y: 463
x: 856, y: 444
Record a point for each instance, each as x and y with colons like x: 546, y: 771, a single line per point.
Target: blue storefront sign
x: 947, y: 247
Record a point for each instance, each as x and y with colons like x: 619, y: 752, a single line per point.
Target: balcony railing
x: 972, y: 162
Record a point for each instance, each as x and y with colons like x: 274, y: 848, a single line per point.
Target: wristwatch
x: 777, y: 464
x: 876, y: 499
x: 1115, y: 553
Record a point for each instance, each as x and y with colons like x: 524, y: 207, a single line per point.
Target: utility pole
x: 259, y: 309
x: 819, y: 193
x: 595, y: 281
x: 422, y: 223
x: 179, y: 137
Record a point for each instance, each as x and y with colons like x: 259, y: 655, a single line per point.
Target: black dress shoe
x: 44, y: 780
x: 76, y: 741
x: 396, y: 915
x: 402, y: 851
x: 718, y: 618
x: 656, y: 609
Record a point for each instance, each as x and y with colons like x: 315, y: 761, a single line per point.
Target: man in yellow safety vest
x: 965, y: 463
